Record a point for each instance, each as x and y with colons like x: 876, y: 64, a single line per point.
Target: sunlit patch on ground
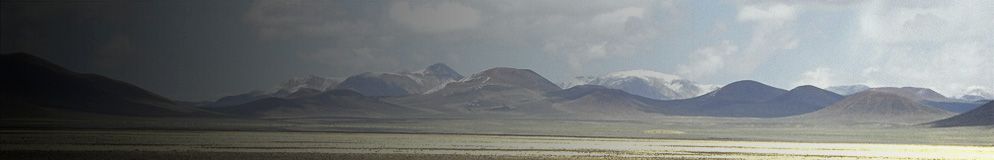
x: 662, y: 131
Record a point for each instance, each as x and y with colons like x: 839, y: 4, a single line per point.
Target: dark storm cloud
x: 182, y: 49
x: 199, y: 50
x: 386, y: 35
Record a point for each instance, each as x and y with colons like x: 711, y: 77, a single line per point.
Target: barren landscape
x: 496, y: 79
x: 493, y: 139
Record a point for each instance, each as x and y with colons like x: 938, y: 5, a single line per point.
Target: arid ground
x: 519, y: 139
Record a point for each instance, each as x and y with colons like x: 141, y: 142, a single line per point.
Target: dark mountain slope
x: 738, y: 99
x: 332, y: 103
x: 403, y: 83
x: 598, y: 102
x: 33, y: 81
x: 981, y: 116
x: 931, y: 98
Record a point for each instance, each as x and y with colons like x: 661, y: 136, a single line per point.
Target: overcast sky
x: 204, y: 49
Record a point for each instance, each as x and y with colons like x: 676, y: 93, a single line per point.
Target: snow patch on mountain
x: 311, y: 81
x: 977, y: 93
x: 403, y: 83
x: 646, y: 83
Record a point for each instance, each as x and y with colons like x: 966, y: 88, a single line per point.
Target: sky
x: 205, y: 49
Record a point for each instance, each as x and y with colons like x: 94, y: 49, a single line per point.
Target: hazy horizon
x: 202, y: 50
x: 522, y: 79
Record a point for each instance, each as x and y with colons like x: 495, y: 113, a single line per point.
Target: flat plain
x: 61, y: 144
x: 491, y: 139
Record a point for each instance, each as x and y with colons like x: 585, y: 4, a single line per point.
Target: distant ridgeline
x: 35, y: 88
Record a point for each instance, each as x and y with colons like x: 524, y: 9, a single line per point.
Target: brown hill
x: 876, y: 107
x: 598, y: 102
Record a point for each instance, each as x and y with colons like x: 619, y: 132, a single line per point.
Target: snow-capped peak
x: 976, y: 93
x: 440, y: 70
x: 646, y: 83
x: 402, y: 83
x: 644, y: 74
x: 310, y: 81
x: 577, y: 81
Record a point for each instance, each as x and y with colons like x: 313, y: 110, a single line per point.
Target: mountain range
x: 312, y: 82
x: 309, y: 83
x: 752, y: 99
x: 931, y: 98
x: 975, y: 94
x: 403, y: 83
x: 37, y: 88
x: 498, y: 89
x: 368, y: 84
x: 923, y: 95
x: 972, y: 94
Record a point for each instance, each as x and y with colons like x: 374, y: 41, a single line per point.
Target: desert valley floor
x: 455, y: 138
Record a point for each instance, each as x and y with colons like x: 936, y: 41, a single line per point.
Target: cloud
x: 349, y: 37
x: 708, y: 60
x: 570, y: 34
x: 775, y: 12
x: 617, y: 32
x: 946, y: 46
x: 360, y: 59
x: 307, y: 19
x: 618, y: 17
x: 772, y: 32
x: 434, y: 17
x: 116, y: 52
x: 576, y: 53
x: 821, y: 77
